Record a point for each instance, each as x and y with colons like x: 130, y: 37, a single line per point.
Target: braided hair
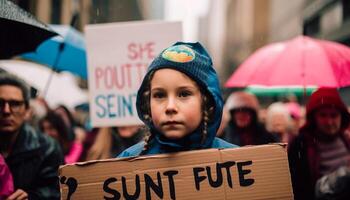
x: 208, y: 111
x: 146, y: 111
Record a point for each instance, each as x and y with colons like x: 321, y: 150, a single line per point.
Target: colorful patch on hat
x: 179, y: 53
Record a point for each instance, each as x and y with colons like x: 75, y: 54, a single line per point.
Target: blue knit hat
x: 194, y: 61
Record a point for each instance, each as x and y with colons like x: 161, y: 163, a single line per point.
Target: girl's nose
x: 171, y: 107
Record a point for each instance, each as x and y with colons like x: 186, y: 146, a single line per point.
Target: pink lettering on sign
x: 113, y: 77
x: 119, y: 77
x: 137, y: 51
x: 126, y: 75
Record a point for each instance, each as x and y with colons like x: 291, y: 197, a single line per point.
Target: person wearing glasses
x: 32, y: 157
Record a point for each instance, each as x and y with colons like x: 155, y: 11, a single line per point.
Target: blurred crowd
x: 317, y: 135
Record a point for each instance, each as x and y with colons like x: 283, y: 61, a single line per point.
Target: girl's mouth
x: 171, y: 123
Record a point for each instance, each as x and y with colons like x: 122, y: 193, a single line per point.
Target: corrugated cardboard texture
x: 256, y: 172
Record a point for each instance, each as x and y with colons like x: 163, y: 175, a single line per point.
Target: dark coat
x: 257, y: 133
x: 304, y: 158
x: 304, y: 161
x: 34, y: 163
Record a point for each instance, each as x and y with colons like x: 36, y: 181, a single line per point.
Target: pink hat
x: 294, y: 109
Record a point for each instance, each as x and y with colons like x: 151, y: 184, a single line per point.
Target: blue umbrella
x: 62, y: 53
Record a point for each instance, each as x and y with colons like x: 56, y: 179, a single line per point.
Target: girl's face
x: 176, y: 103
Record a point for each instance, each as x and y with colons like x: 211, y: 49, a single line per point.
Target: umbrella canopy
x: 63, y: 88
x: 20, y: 31
x: 300, y: 62
x: 65, y: 53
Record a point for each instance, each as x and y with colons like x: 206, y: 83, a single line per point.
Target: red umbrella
x: 302, y: 61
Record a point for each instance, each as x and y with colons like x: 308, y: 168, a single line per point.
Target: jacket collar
x: 27, y: 140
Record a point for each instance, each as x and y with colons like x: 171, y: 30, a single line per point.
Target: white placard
x: 118, y: 58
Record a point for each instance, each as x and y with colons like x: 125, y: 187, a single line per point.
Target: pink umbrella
x: 302, y: 61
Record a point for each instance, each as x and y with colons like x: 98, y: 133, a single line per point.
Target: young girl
x: 180, y: 102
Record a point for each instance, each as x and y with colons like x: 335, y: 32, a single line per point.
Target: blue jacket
x: 136, y: 149
x: 200, y: 69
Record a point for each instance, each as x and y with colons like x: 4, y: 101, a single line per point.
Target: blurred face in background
x: 242, y: 117
x: 279, y: 123
x: 48, y: 128
x: 127, y: 131
x: 63, y: 114
x: 328, y: 120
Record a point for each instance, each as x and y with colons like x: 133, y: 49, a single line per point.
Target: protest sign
x: 118, y: 57
x: 256, y: 172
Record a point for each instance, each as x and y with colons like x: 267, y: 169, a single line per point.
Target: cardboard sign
x: 257, y: 172
x: 118, y: 57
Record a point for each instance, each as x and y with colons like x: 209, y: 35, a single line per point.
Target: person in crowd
x: 75, y: 132
x: 82, y: 117
x: 98, y: 144
x: 279, y: 122
x: 38, y: 108
x: 6, y: 180
x: 180, y: 102
x: 53, y: 125
x: 244, y: 127
x: 103, y: 143
x: 124, y: 137
x: 321, y: 146
x: 33, y: 158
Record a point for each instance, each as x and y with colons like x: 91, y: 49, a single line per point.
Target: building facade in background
x: 231, y: 30
x: 328, y: 19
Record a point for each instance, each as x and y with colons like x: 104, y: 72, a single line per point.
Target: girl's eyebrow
x: 188, y: 87
x: 179, y: 88
x: 157, y: 88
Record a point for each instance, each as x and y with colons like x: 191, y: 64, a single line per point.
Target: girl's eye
x: 185, y: 93
x: 158, y: 95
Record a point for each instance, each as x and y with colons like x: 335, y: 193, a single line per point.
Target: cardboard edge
x: 131, y: 159
x: 279, y: 145
x: 156, y: 156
